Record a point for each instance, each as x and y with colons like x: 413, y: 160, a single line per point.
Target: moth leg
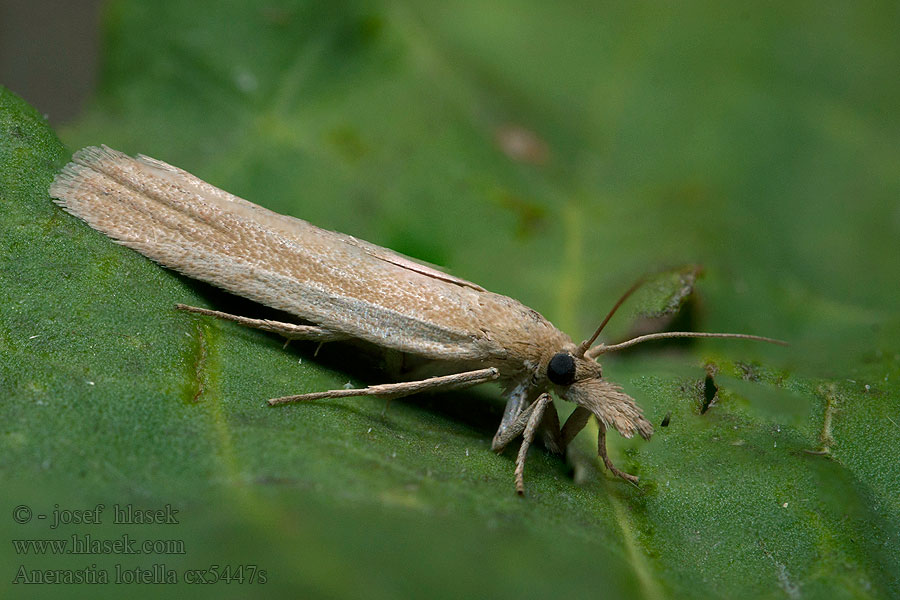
x: 514, y: 430
x: 601, y: 449
x: 549, y: 428
x: 533, y: 422
x: 551, y: 434
x: 519, y: 395
x: 573, y: 425
x: 288, y: 330
x: 398, y: 390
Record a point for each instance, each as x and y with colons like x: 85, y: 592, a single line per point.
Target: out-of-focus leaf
x: 663, y: 293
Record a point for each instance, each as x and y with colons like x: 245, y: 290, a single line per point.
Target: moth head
x: 578, y: 379
x: 565, y: 368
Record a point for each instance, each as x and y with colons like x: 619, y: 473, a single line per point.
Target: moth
x: 343, y: 288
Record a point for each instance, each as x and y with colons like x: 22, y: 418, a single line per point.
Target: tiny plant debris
x: 345, y: 288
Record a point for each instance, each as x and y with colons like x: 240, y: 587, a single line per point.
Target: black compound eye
x: 561, y: 369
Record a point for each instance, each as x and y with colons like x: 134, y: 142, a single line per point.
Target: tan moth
x: 344, y: 288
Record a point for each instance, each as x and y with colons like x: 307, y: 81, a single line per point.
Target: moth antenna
x: 603, y: 348
x: 583, y: 347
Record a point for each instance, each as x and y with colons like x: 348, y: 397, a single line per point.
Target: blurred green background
x: 553, y: 153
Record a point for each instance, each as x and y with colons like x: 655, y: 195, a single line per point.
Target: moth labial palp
x: 344, y: 288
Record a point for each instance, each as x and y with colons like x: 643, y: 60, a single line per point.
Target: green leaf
x: 665, y: 292
x: 548, y: 152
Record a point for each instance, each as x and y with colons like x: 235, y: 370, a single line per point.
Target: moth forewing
x: 327, y: 278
